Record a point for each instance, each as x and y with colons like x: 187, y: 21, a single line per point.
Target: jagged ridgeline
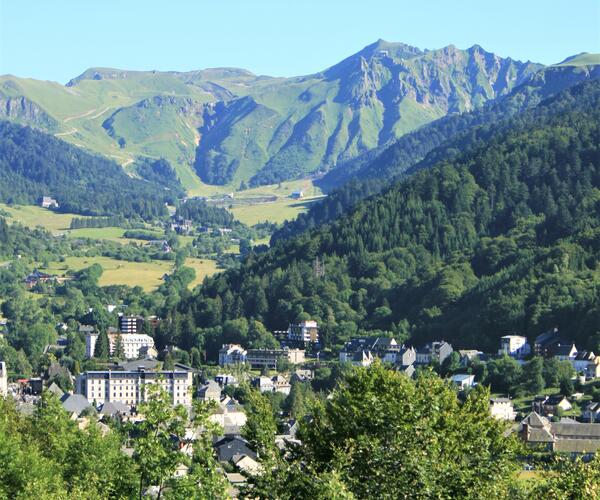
x: 443, y: 138
x: 228, y: 125
x: 503, y: 237
x: 34, y: 164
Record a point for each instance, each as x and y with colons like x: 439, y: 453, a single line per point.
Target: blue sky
x: 58, y: 39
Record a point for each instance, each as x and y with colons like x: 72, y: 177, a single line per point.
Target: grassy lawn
x: 276, y: 211
x: 118, y: 272
x: 99, y: 233
x: 57, y: 223
x: 32, y: 216
x: 203, y: 268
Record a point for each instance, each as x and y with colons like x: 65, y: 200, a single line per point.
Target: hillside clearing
x: 275, y: 212
x: 117, y: 272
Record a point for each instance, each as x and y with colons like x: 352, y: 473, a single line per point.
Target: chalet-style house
x: 551, y: 405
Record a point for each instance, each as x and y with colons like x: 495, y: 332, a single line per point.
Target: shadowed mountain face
x: 227, y: 125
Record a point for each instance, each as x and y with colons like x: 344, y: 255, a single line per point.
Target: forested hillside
x: 34, y: 164
x: 502, y: 238
x: 441, y: 139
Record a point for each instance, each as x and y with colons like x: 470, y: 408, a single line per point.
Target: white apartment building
x: 515, y: 346
x: 304, y: 332
x: 129, y: 387
x: 132, y: 343
x: 3, y: 379
x: 232, y: 354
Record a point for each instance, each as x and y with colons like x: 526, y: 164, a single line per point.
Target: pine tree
x: 102, y: 348
x: 119, y: 352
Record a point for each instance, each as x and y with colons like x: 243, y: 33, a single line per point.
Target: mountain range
x: 227, y: 127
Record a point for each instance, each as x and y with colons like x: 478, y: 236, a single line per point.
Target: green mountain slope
x: 223, y: 126
x: 501, y: 238
x: 34, y: 164
x: 442, y: 138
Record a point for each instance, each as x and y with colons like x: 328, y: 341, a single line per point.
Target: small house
x: 463, y: 380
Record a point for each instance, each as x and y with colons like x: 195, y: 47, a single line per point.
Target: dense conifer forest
x: 501, y: 238
x: 34, y: 164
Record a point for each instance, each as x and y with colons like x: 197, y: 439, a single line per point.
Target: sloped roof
x: 542, y: 435
x: 555, y: 400
x: 577, y: 445
x: 57, y: 391
x: 576, y: 431
x: 564, y: 349
x: 535, y: 420
x: 75, y: 403
x: 114, y: 407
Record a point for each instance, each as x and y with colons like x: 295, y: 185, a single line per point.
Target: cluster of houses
x: 118, y: 390
x: 552, y: 344
x: 566, y: 436
x: 303, y: 334
x: 38, y: 277
x: 362, y: 351
x: 181, y: 225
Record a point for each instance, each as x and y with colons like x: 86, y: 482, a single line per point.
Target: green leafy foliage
x: 382, y: 435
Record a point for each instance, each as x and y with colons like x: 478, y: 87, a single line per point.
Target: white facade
x: 3, y: 379
x: 232, y: 354
x: 515, y: 346
x: 502, y: 409
x: 129, y: 387
x: 463, y: 380
x: 132, y: 343
x: 90, y: 344
x: 305, y: 332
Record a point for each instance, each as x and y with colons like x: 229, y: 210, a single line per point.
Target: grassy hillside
x: 227, y: 126
x: 583, y: 59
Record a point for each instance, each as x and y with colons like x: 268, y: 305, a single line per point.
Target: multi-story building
x: 134, y: 344
x: 434, y: 351
x: 259, y: 358
x: 305, y: 332
x: 278, y: 383
x: 514, y: 346
x: 546, y: 342
x: 129, y: 387
x: 130, y: 324
x: 232, y: 354
x: 3, y: 379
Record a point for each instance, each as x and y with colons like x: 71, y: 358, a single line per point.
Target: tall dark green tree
x: 102, y: 347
